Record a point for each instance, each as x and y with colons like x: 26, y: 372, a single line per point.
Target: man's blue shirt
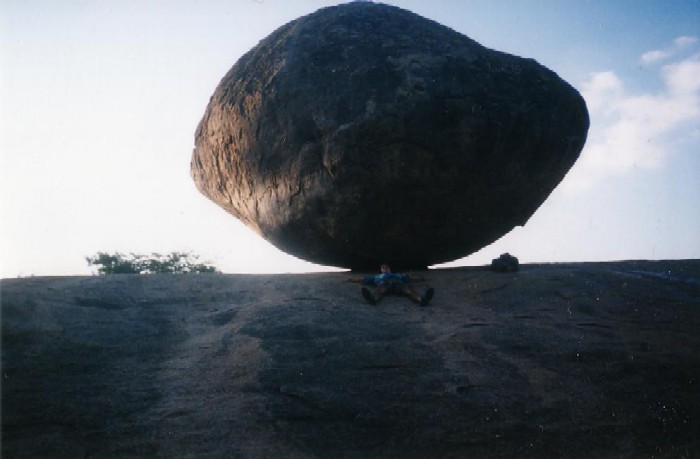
x: 380, y: 279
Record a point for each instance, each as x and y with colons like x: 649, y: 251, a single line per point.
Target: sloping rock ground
x: 562, y: 360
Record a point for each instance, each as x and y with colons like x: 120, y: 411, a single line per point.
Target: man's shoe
x: 425, y: 299
x: 367, y: 295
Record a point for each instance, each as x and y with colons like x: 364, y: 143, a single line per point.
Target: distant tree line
x: 171, y: 263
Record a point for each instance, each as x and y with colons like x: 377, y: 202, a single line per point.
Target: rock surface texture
x: 554, y: 361
x: 363, y: 133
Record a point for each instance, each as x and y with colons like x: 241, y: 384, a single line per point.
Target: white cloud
x: 636, y: 131
x: 682, y: 42
x: 600, y: 89
x: 682, y: 78
x: 658, y: 55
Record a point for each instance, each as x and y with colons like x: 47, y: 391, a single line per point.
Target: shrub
x: 172, y: 263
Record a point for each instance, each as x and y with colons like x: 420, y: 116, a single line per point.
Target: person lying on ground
x: 388, y: 283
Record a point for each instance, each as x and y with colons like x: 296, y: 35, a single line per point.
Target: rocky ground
x: 563, y: 360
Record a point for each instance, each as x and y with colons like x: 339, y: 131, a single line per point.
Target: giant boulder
x: 365, y: 133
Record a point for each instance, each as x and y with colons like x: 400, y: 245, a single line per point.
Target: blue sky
x: 99, y: 101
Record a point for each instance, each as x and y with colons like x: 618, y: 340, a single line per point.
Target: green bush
x: 172, y: 263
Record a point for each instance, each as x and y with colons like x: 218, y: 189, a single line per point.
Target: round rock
x: 364, y: 133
